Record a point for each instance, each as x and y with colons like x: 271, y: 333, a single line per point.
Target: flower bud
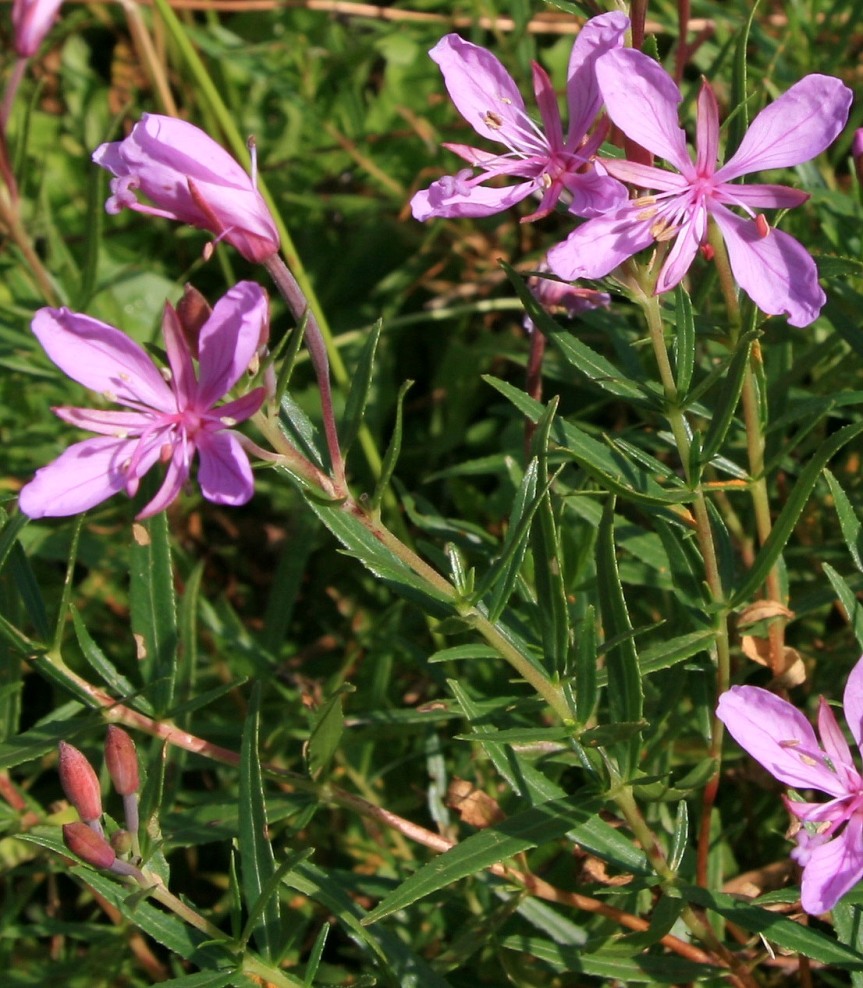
x: 122, y: 760
x: 80, y: 783
x: 193, y: 310
x: 88, y: 846
x: 188, y: 177
x: 121, y: 841
x: 31, y: 21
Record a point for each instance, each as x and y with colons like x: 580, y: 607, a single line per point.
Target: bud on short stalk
x: 81, y: 786
x: 122, y: 761
x: 94, y: 850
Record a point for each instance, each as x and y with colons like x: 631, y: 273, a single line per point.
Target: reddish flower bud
x: 88, y: 845
x: 857, y: 153
x: 193, y: 311
x: 80, y: 783
x: 122, y: 760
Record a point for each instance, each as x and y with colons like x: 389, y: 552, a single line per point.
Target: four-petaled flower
x: 770, y: 266
x: 190, y: 178
x: 778, y: 736
x: 552, y: 162
x: 167, y: 420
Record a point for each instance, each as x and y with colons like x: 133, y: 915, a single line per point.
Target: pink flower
x: 189, y: 178
x: 557, y: 296
x: 31, y: 21
x: 780, y: 738
x: 770, y: 266
x: 552, y: 162
x: 168, y: 420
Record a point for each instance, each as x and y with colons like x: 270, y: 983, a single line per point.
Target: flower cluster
x: 776, y: 734
x: 81, y: 786
x: 674, y: 209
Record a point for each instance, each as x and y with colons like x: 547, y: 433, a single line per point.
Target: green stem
x: 704, y: 532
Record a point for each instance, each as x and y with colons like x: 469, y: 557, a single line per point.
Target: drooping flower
x: 779, y: 737
x: 558, y: 296
x: 769, y: 265
x: 165, y: 421
x: 551, y: 162
x: 31, y: 21
x: 188, y: 177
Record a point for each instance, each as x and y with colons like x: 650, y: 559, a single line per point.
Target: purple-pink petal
x: 599, y: 35
x: 682, y: 252
x: 480, y: 87
x: 595, y: 248
x: 593, y: 193
x: 761, y: 196
x: 101, y: 358
x: 179, y: 357
x: 833, y: 868
x: 175, y: 477
x: 31, y: 21
x: 223, y: 469
x: 84, y: 475
x: 835, y: 745
x: 775, y: 271
x: 797, y: 126
x: 778, y: 736
x: 852, y: 702
x: 438, y: 200
x: 120, y: 425
x: 706, y: 131
x: 229, y: 340
x: 645, y: 176
x: 642, y: 99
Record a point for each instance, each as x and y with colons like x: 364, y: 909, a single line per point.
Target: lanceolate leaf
x: 257, y: 862
x: 539, y: 825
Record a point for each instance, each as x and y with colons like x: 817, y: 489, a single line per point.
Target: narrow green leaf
x: 726, y: 403
x: 848, y: 922
x: 289, y: 360
x: 299, y: 429
x: 153, y: 609
x: 849, y: 600
x: 611, y: 967
x: 613, y: 471
x: 188, y: 656
x: 625, y: 697
x: 359, y: 542
x: 586, y: 684
x: 257, y: 862
x: 503, y: 573
x: 63, y: 724
x: 103, y: 666
x: 784, y: 525
x: 461, y: 652
x: 397, y: 960
x: 775, y: 928
x: 680, y: 836
x: 9, y: 535
x: 539, y: 825
x: 548, y: 562
x: 27, y: 586
x: 686, y: 579
x: 392, y: 454
x: 358, y: 395
x: 739, y: 124
x: 328, y: 725
x: 849, y: 522
x: 684, y: 340
x: 595, y: 835
x: 317, y: 952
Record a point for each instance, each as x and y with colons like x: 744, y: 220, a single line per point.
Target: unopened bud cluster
x: 86, y: 838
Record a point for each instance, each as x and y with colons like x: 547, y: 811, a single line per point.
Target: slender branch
x: 290, y: 290
x: 119, y: 713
